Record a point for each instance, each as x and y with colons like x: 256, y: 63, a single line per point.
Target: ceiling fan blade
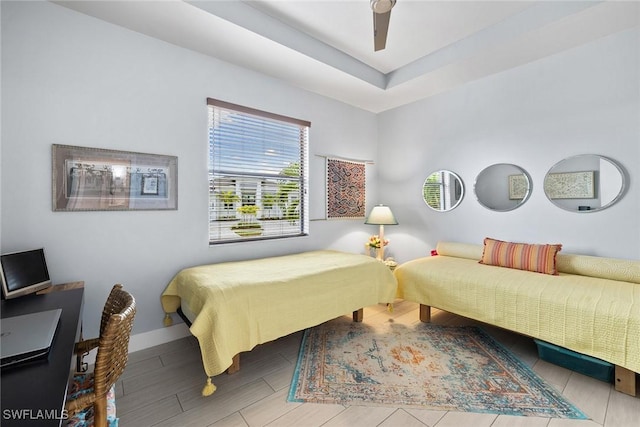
x: 380, y: 29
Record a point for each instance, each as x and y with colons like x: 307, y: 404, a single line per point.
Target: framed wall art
x: 96, y: 179
x: 345, y: 189
x: 570, y: 185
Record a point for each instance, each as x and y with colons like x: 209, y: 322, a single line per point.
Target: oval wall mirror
x: 442, y: 190
x: 585, y: 183
x: 502, y: 187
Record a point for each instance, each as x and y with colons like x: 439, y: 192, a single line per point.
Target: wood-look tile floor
x: 161, y: 387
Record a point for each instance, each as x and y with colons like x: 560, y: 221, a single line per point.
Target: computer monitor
x: 23, y: 273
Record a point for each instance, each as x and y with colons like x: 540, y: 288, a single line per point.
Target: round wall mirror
x: 585, y: 183
x: 502, y: 187
x: 442, y: 190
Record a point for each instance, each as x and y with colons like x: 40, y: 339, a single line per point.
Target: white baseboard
x: 157, y: 337
x: 149, y: 339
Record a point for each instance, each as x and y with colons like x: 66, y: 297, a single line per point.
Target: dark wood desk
x: 34, y: 393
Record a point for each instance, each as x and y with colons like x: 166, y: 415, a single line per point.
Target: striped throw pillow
x: 522, y: 256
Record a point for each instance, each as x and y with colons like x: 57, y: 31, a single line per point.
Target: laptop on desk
x: 28, y: 337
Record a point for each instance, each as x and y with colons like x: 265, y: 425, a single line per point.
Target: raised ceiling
x: 327, y: 46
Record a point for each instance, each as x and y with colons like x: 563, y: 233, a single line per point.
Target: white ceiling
x: 326, y: 46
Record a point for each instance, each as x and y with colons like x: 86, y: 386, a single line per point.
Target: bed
x: 234, y: 306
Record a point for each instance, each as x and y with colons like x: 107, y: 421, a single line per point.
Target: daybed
x: 235, y: 306
x: 592, y: 305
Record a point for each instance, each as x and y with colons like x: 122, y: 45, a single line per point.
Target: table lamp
x: 381, y: 215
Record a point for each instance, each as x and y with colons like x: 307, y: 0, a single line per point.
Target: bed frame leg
x: 425, y: 313
x: 358, y: 315
x: 625, y: 380
x: 235, y: 365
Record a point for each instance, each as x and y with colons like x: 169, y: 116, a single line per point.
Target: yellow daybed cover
x: 590, y: 315
x: 239, y: 305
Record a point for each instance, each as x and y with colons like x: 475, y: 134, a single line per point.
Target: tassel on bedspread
x: 209, y: 388
x: 168, y: 321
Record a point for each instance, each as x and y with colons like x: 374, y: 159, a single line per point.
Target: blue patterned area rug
x: 423, y: 365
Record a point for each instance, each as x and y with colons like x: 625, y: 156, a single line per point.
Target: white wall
x: 71, y: 79
x: 585, y: 100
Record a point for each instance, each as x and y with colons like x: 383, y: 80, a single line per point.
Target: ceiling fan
x: 381, y: 15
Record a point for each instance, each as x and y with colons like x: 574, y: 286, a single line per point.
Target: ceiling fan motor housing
x: 382, y: 6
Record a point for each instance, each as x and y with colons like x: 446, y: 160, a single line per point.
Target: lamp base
x: 380, y: 250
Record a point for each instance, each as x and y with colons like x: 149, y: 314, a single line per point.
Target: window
x: 257, y: 174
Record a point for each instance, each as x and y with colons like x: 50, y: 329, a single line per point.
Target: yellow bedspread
x: 594, y: 316
x: 239, y: 305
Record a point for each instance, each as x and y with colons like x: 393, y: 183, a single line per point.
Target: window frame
x: 293, y: 211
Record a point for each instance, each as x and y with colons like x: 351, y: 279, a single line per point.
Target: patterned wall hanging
x: 345, y: 189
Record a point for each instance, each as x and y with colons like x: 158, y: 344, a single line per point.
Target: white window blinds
x: 257, y: 174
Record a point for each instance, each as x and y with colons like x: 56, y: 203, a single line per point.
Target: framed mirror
x: 443, y: 190
x: 502, y: 187
x: 585, y: 183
